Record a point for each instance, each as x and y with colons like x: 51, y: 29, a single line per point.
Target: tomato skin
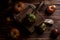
x: 14, y: 33
x: 18, y: 7
x: 51, y: 8
x: 54, y: 33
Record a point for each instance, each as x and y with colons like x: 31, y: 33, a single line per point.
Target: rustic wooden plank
x: 56, y: 17
x: 56, y: 13
x: 38, y: 39
x: 58, y: 7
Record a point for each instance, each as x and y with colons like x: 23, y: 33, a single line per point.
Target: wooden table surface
x: 45, y: 36
x: 56, y: 17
